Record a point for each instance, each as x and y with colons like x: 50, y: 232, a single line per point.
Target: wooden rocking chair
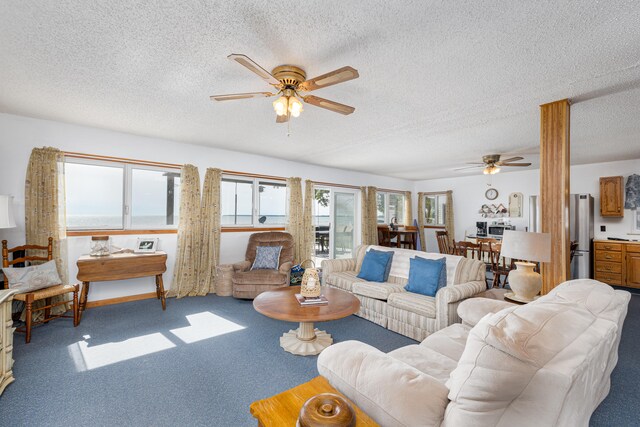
x: 41, y: 294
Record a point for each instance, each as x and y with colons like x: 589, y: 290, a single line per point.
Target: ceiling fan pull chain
x: 288, y: 128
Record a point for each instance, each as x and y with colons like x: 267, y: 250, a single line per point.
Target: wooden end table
x: 282, y: 304
x: 283, y: 409
x: 120, y: 267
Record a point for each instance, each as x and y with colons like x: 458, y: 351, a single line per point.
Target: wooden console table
x: 121, y: 267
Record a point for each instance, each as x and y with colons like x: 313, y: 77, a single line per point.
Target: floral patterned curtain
x: 45, y: 212
x: 309, y: 228
x: 210, y: 244
x: 448, y: 217
x: 423, y: 246
x: 295, y: 221
x: 187, y: 266
x: 408, y: 209
x: 369, y: 215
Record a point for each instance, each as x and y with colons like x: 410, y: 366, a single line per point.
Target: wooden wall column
x: 554, y: 190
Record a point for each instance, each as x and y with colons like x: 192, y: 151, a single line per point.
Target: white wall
x: 468, y: 196
x: 19, y: 135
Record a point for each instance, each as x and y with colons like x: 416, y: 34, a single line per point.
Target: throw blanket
x: 632, y: 190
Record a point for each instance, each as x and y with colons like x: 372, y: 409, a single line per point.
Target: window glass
x: 94, y: 196
x: 236, y: 199
x: 272, y: 202
x: 435, y: 209
x: 396, y: 207
x: 155, y: 198
x: 321, y: 214
x: 381, y: 203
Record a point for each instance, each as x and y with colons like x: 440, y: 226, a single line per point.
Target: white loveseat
x: 547, y: 363
x: 389, y: 305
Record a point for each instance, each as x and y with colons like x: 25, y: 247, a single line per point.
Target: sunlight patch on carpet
x: 87, y: 357
x: 203, y: 326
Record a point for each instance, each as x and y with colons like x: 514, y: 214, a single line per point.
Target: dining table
x: 402, y: 234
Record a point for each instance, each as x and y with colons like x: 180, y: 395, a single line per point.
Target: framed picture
x: 146, y: 245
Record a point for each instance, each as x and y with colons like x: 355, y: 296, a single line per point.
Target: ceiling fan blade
x: 247, y: 62
x: 475, y: 163
x: 515, y: 164
x: 332, y: 78
x: 469, y: 167
x: 512, y: 159
x: 232, y: 96
x: 282, y: 119
x: 329, y: 105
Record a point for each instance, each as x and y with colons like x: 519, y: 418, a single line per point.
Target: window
x: 253, y: 202
x: 102, y: 195
x: 435, y: 210
x: 390, y: 205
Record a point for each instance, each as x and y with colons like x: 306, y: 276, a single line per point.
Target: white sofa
x: 547, y: 363
x: 389, y: 305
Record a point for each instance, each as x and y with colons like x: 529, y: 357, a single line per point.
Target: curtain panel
x: 369, y: 215
x: 210, y: 244
x: 448, y: 220
x: 187, y: 265
x: 421, y: 229
x: 45, y: 211
x: 295, y: 221
x: 309, y: 228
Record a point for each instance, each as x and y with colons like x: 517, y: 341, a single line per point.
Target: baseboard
x: 110, y: 301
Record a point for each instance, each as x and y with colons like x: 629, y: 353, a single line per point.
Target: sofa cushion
x: 427, y: 360
x: 415, y: 303
x: 376, y: 265
x: 449, y: 341
x: 426, y: 276
x: 259, y: 277
x: 343, y: 279
x: 376, y: 290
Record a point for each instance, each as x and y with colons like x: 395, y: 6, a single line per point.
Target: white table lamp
x: 6, y: 212
x: 523, y: 246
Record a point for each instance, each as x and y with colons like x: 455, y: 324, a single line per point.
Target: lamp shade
x: 526, y: 246
x: 6, y: 212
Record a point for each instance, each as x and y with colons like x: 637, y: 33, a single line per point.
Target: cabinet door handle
x: 607, y: 256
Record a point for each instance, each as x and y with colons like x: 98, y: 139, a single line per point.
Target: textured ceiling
x: 441, y: 83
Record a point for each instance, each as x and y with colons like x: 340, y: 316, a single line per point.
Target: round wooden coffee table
x: 281, y: 304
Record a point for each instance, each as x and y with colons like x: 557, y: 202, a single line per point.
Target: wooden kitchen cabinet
x: 617, y: 263
x: 611, y: 202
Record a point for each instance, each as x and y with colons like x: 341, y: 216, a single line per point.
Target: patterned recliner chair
x: 247, y: 283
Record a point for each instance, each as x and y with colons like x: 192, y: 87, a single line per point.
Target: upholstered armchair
x: 248, y: 283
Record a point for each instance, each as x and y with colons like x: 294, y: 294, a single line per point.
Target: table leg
x: 306, y: 340
x: 83, y: 299
x: 160, y: 290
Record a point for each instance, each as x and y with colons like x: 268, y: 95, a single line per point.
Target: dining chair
x: 408, y: 238
x: 46, y: 294
x: 499, y: 265
x: 384, y: 235
x: 467, y: 249
x: 443, y: 243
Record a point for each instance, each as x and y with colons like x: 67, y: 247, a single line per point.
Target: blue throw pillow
x: 426, y: 276
x: 388, y: 269
x: 375, y: 265
x: 267, y: 258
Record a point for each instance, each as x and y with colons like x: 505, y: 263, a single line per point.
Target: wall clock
x: 491, y: 194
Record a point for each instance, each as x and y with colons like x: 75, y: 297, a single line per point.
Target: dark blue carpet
x: 207, y: 382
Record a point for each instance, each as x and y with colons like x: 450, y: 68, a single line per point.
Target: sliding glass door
x: 337, y: 228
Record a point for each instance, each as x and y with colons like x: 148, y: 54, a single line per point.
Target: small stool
x: 224, y: 287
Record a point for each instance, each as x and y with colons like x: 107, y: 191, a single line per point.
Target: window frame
x: 387, y: 217
x: 127, y: 194
x: 255, y: 201
x: 437, y: 197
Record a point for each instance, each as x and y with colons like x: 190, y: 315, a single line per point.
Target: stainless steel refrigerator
x: 580, y: 230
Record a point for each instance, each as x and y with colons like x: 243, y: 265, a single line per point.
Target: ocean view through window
x: 105, y: 195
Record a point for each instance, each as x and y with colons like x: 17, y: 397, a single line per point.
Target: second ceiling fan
x: 492, y: 163
x: 289, y: 81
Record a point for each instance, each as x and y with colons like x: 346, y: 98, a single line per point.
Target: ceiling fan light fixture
x: 280, y: 106
x: 295, y: 106
x: 491, y: 170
